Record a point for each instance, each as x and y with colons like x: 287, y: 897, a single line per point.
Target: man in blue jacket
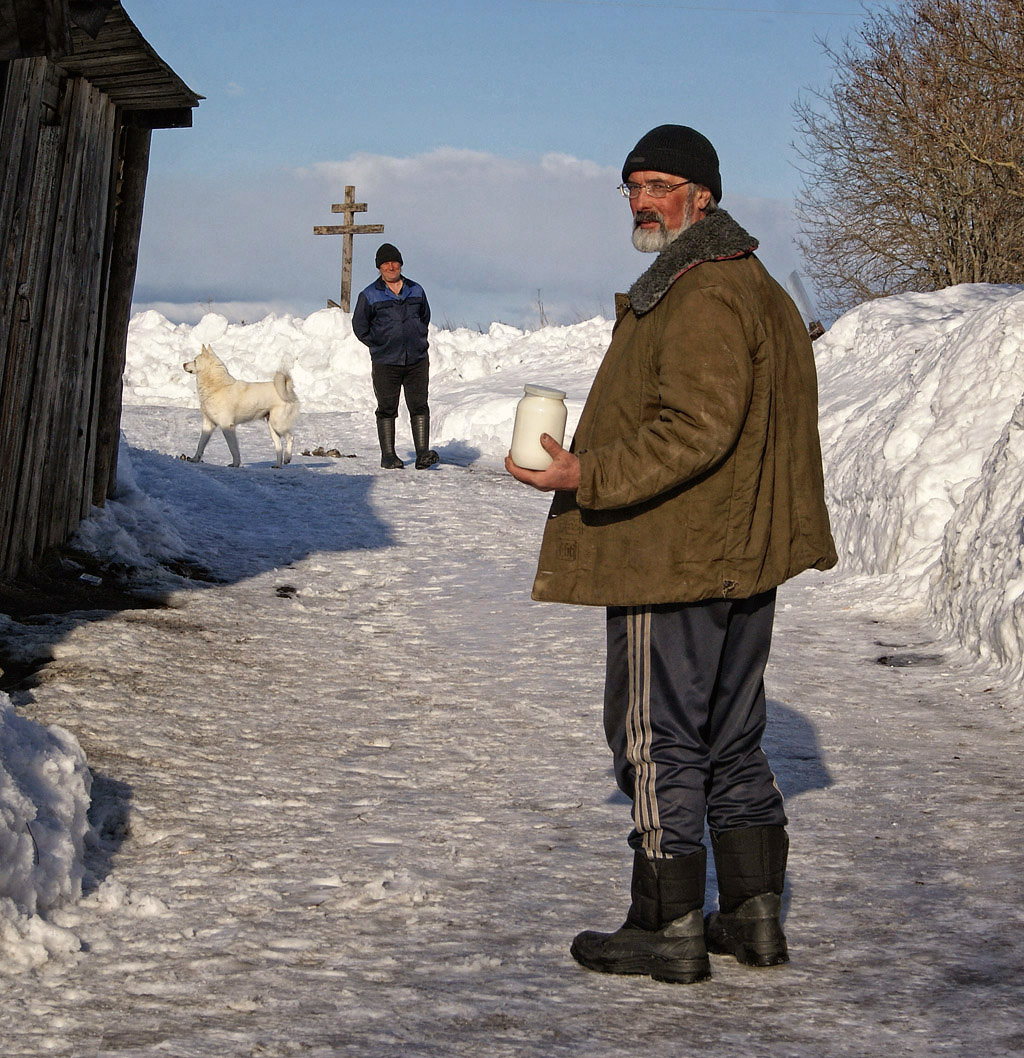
x: 391, y: 318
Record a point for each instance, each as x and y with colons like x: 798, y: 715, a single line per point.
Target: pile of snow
x: 921, y: 425
x: 132, y: 527
x: 44, y: 800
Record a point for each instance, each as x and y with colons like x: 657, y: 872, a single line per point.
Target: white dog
x: 226, y: 401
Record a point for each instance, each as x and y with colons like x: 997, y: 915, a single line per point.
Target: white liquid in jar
x: 541, y: 410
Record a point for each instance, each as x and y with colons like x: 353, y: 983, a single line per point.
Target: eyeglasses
x: 655, y: 189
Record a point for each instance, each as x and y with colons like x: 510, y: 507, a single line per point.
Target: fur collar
x: 715, y: 238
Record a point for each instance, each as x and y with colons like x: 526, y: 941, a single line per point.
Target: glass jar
x: 541, y: 410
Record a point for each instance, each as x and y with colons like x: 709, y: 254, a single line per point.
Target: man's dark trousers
x: 390, y: 379
x: 684, y: 715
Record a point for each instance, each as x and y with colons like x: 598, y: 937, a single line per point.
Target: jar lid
x: 544, y: 391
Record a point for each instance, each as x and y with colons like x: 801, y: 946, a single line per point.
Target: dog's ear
x: 207, y: 349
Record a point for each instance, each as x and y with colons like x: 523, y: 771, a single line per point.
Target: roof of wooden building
x: 96, y: 40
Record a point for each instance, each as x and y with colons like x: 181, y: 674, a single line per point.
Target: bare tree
x: 914, y: 155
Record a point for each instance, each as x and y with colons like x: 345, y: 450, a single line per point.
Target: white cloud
x: 483, y: 233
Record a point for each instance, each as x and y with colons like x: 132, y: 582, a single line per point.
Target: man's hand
x: 563, y: 474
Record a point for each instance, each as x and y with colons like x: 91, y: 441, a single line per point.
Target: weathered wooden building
x: 80, y: 93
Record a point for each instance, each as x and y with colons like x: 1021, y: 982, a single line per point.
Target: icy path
x: 367, y: 817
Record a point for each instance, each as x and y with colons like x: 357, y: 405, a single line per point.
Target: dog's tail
x: 284, y: 387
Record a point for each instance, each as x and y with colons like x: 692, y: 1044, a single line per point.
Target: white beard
x: 655, y: 241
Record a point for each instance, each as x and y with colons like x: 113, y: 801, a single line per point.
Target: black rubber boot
x: 386, y: 436
x: 663, y: 935
x: 425, y: 455
x: 751, y: 867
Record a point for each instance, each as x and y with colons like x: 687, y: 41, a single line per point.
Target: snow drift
x: 921, y: 421
x: 44, y: 800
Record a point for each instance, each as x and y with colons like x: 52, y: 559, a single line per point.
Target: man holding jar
x: 692, y: 489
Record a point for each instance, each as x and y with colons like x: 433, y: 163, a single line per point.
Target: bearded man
x: 692, y: 489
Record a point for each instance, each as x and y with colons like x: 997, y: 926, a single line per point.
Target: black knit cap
x: 387, y: 252
x: 680, y: 150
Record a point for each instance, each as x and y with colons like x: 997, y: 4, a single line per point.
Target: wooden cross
x: 350, y: 207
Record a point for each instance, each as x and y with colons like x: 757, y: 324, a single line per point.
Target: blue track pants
x: 684, y: 714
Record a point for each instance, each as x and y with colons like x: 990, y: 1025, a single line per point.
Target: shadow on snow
x: 236, y: 523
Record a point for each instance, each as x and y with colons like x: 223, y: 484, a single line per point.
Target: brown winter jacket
x: 699, y: 455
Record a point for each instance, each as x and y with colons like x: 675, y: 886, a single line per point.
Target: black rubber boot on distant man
x: 663, y: 935
x: 386, y: 436
x: 425, y: 455
x: 751, y: 866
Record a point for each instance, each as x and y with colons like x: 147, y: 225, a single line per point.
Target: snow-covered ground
x: 354, y: 799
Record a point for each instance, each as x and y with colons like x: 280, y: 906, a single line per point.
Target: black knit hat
x: 387, y: 252
x: 679, y: 150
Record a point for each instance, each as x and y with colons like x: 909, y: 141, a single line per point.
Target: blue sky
x: 486, y: 137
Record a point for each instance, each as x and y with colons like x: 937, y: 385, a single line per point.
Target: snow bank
x: 44, y: 798
x: 131, y: 525
x: 921, y: 424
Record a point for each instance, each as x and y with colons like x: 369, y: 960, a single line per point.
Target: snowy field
x: 353, y: 798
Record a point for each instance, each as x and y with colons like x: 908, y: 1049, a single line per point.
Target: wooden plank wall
x: 128, y: 193
x: 59, y: 137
